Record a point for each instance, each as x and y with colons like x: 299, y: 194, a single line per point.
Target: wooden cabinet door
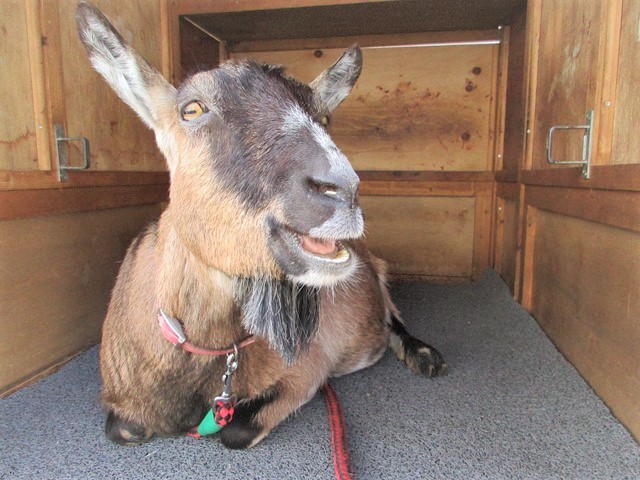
x: 47, y: 81
x: 18, y: 123
x: 81, y: 99
x: 565, y: 47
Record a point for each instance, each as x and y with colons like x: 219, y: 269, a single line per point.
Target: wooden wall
x: 17, y: 116
x: 586, y: 296
x: 412, y: 108
x: 57, y: 274
x: 61, y: 241
x: 577, y: 243
x: 86, y: 97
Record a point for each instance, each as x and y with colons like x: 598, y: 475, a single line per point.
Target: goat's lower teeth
x: 342, y: 254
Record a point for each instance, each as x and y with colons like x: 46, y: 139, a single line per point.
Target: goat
x: 263, y: 235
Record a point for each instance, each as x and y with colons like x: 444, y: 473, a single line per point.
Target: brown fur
x: 214, y: 235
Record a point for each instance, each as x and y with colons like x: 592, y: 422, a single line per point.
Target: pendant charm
x: 221, y: 412
x: 223, y: 405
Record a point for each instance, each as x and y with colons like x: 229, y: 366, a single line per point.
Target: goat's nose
x: 343, y: 189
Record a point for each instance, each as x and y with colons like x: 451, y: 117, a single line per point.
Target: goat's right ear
x: 335, y: 83
x: 136, y: 82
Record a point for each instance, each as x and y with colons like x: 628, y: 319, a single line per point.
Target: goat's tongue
x: 325, y: 248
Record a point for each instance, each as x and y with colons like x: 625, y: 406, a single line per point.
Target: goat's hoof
x: 423, y: 359
x: 244, y: 431
x: 125, y: 433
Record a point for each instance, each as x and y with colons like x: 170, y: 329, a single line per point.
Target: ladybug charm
x: 223, y: 408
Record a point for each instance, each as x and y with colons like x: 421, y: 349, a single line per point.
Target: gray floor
x: 511, y: 408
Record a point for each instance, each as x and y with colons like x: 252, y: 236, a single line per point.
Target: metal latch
x: 586, y: 145
x: 63, y: 157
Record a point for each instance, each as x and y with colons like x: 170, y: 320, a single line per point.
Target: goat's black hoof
x: 423, y: 359
x: 243, y: 431
x: 239, y: 435
x: 125, y: 433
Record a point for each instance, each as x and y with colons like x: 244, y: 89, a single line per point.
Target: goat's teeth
x: 343, y: 254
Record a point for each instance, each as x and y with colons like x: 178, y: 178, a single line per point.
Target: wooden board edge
x: 607, y: 207
x: 603, y: 177
x: 367, y: 41
x: 34, y: 203
x: 443, y: 280
x: 482, y: 238
x: 36, y: 62
x: 29, y: 180
x: 44, y: 372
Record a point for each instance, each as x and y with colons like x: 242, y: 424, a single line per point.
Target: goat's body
x: 150, y: 382
x: 262, y: 236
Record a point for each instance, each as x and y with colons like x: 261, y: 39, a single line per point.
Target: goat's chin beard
x: 284, y: 312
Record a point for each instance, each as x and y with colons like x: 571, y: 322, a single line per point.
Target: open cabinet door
x: 581, y: 258
x: 62, y: 234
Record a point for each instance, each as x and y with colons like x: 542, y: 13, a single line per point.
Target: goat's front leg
x: 255, y: 418
x: 421, y: 358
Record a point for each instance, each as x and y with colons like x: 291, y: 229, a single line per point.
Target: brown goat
x: 262, y: 236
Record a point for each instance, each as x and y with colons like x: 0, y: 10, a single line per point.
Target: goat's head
x: 258, y: 188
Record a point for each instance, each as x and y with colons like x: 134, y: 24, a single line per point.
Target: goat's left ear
x: 335, y: 83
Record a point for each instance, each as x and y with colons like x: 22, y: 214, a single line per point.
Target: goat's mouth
x: 327, y: 249
x: 307, y: 259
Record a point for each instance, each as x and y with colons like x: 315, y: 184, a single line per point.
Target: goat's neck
x: 201, y: 297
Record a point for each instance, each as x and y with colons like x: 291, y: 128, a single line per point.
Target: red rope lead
x: 339, y: 447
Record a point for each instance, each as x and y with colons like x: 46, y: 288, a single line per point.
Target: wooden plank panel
x: 482, y: 237
x: 265, y: 19
x: 18, y: 149
x: 423, y: 189
x: 119, y: 139
x: 40, y: 106
x: 566, y: 75
x: 626, y: 141
x: 454, y: 36
x: 618, y: 209
x: 426, y: 236
x: 33, y: 203
x: 425, y: 176
x: 12, y: 180
x: 606, y: 177
x: 514, y: 130
x: 507, y: 230
x: 586, y: 296
x: 413, y: 108
x: 57, y: 274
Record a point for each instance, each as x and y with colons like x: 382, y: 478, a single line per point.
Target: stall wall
x: 576, y: 245
x: 57, y: 274
x: 61, y: 241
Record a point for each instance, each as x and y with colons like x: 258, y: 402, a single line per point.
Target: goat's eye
x: 193, y: 110
x: 326, y: 120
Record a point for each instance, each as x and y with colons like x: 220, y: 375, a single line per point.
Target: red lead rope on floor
x: 339, y: 446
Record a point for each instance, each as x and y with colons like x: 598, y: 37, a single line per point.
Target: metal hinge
x: 63, y: 157
x: 586, y: 145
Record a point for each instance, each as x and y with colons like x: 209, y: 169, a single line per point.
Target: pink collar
x: 172, y: 331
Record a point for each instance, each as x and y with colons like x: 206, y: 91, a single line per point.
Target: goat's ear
x: 136, y: 82
x: 335, y: 83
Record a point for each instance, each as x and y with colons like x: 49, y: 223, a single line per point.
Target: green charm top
x: 208, y: 425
